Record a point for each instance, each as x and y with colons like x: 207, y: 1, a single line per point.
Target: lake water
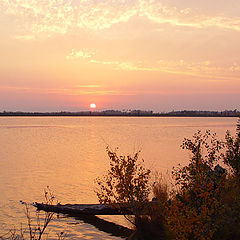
x: 68, y: 153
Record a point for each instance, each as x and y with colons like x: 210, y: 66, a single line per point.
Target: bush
x: 205, y: 200
x: 229, y: 221
x: 125, y: 184
x: 195, y: 203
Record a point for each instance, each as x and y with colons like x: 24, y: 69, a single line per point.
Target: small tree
x: 195, y: 206
x: 126, y: 183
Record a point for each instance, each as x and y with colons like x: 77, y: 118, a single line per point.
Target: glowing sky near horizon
x: 120, y: 54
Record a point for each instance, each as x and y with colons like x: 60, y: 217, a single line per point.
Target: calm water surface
x: 67, y: 154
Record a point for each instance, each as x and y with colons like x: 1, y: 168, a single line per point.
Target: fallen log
x: 84, y: 209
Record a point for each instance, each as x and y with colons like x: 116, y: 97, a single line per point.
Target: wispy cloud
x: 205, y: 68
x: 89, y: 86
x: 50, y: 17
x: 25, y: 37
x: 78, y: 90
x: 159, y: 13
x: 84, y: 53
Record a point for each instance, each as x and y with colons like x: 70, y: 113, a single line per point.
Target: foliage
x: 232, y: 155
x: 230, y: 218
x: 126, y: 183
x: 205, y: 155
x: 195, y: 202
x: 205, y: 200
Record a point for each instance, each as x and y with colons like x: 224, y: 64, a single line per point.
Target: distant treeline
x: 184, y: 113
x: 141, y: 113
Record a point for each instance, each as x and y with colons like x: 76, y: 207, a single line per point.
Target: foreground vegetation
x: 202, y: 203
x: 36, y: 225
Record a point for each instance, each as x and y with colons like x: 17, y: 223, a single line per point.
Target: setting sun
x: 93, y: 105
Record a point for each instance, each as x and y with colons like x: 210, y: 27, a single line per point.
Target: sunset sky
x: 119, y: 54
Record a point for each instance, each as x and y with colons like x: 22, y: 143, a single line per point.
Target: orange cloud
x: 50, y: 17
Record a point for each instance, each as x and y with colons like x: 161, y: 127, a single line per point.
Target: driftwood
x: 86, y: 213
x: 84, y: 209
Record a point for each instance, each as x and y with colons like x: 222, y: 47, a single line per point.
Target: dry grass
x: 36, y: 228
